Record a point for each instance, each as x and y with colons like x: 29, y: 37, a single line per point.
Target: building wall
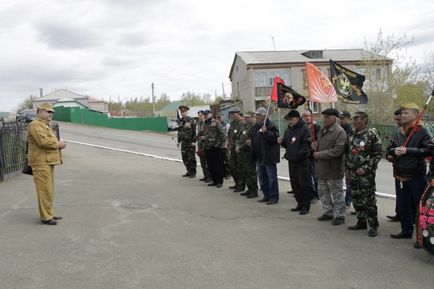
x: 245, y: 76
x: 98, y: 106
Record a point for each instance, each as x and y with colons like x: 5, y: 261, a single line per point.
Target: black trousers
x: 299, y: 177
x: 214, y: 158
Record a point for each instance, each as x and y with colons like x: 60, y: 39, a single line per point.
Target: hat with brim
x: 292, y: 113
x: 183, y: 108
x: 331, y: 111
x: 261, y: 111
x: 46, y: 106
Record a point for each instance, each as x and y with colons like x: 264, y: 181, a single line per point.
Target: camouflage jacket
x: 243, y: 136
x: 213, y: 133
x: 200, y: 132
x: 363, y: 150
x: 233, y: 131
x: 187, y: 130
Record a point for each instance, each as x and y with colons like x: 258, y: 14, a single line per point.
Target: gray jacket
x: 331, y: 148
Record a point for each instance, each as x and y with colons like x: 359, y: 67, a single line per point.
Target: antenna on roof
x: 272, y: 39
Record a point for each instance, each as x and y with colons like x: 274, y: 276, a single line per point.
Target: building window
x: 265, y: 78
x: 314, y: 107
x: 303, y: 73
x: 378, y: 74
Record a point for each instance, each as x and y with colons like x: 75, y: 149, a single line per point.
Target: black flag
x: 288, y: 98
x: 348, y: 84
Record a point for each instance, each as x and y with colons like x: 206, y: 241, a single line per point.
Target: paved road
x: 165, y: 146
x: 132, y: 222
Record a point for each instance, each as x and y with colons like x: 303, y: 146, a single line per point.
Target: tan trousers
x: 43, y: 175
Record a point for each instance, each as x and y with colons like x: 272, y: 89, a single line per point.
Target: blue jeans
x: 267, y: 175
x: 408, y: 194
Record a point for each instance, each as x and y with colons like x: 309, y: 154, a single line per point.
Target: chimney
x: 41, y: 92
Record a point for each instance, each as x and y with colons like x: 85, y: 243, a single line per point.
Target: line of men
x: 319, y: 160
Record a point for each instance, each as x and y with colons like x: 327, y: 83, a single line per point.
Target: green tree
x: 391, y: 77
x: 26, y: 104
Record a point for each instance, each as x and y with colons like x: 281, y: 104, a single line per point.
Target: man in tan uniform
x: 43, y: 155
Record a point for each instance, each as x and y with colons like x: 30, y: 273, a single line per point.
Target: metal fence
x: 13, y: 137
x: 13, y: 143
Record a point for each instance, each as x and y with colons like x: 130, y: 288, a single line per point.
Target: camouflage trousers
x: 235, y: 168
x: 364, y: 200
x: 248, y: 170
x: 204, y: 166
x: 188, y: 152
x: 331, y: 193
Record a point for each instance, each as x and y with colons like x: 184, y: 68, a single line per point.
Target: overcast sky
x: 117, y: 48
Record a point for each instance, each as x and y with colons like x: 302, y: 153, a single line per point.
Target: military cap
x: 206, y: 112
x: 360, y: 113
x: 183, y: 108
x: 261, y: 110
x: 234, y: 110
x: 331, y: 111
x: 46, y: 106
x: 292, y: 113
x: 344, y: 114
x: 200, y: 112
x: 410, y: 105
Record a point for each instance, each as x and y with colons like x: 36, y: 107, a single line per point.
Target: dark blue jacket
x: 265, y: 147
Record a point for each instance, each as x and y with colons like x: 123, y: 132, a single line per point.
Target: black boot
x: 361, y: 225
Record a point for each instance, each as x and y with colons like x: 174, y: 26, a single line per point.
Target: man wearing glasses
x: 43, y: 155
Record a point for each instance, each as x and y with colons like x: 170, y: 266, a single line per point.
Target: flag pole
x: 416, y: 122
x: 268, y: 109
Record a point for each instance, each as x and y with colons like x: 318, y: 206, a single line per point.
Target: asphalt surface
x: 165, y: 146
x: 132, y: 222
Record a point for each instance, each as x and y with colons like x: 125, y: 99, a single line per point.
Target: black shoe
x: 325, y: 217
x: 237, y: 190
x: 57, y: 218
x: 245, y: 194
x: 289, y: 192
x: 353, y: 213
x: 208, y: 181
x: 49, y: 222
x: 263, y: 200
x: 192, y: 175
x: 373, y: 232
x: 417, y: 246
x: 219, y: 185
x: 338, y: 221
x: 402, y: 235
x: 252, y: 195
x: 202, y: 179
x: 212, y: 184
x: 233, y: 187
x: 272, y: 202
x: 186, y: 174
x: 361, y: 225
x: 304, y: 211
x: 393, y: 218
x: 296, y: 209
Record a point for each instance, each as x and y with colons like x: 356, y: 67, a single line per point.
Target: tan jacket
x: 43, y: 144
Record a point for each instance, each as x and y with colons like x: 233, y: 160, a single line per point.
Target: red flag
x: 275, y: 94
x: 319, y: 86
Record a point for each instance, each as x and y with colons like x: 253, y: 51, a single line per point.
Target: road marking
x: 378, y: 194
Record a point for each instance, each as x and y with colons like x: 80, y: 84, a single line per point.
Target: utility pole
x: 274, y: 45
x: 153, y: 100
x: 223, y: 89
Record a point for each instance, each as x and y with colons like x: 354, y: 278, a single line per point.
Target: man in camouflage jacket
x: 363, y: 152
x: 186, y: 138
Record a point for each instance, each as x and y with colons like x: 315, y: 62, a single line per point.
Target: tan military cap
x: 410, y: 105
x: 46, y: 106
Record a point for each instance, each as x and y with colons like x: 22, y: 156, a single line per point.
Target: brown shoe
x: 49, y: 222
